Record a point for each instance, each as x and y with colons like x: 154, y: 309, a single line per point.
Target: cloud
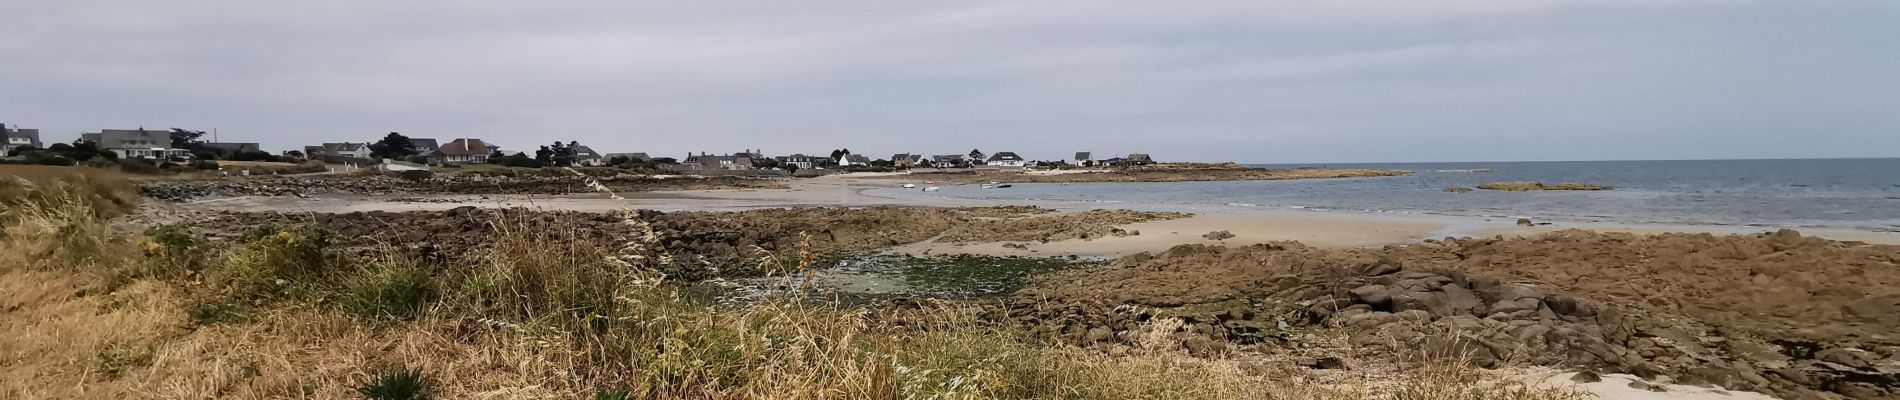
x: 1226, y: 80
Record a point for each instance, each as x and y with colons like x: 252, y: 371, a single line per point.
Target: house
x: 1083, y: 158
x: 800, y: 160
x: 906, y: 160
x: 853, y: 160
x: 1138, y: 159
x: 1005, y: 159
x: 135, y: 143
x: 462, y: 151
x: 710, y: 162
x: 18, y: 138
x: 948, y: 161
x: 424, y: 145
x: 630, y: 156
x: 587, y: 157
x: 345, y: 149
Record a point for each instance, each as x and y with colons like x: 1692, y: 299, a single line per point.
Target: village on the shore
x: 183, y: 148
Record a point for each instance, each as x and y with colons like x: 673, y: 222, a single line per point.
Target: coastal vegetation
x: 1166, y: 172
x: 539, y: 310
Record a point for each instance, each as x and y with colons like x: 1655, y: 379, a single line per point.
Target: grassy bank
x: 287, y: 311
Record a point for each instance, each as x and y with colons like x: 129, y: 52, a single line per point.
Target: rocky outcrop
x: 1530, y: 186
x: 1684, y: 306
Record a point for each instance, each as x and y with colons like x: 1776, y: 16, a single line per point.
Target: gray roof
x: 585, y: 152
x: 1082, y: 155
x: 630, y: 156
x: 857, y: 158
x: 1005, y: 156
x: 345, y: 146
x: 424, y: 143
x: 231, y: 147
x: 948, y: 158
x: 131, y: 138
x: 32, y: 135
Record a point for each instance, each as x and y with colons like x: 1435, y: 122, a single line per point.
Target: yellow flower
x: 151, y: 248
x: 284, y: 234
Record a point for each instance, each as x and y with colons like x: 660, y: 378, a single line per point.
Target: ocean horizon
x: 1860, y: 194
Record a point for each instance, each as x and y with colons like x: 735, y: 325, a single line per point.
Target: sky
x: 1252, y: 81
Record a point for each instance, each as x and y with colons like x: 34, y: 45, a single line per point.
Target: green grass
x: 397, y: 384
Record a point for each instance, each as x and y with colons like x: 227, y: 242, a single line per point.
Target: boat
x: 931, y: 189
x: 910, y: 186
x: 1002, y: 186
x: 988, y: 186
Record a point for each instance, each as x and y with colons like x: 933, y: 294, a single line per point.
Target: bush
x: 139, y: 166
x: 279, y: 261
x: 416, y: 175
x: 396, y: 289
x: 174, y: 250
x: 397, y: 384
x: 205, y: 165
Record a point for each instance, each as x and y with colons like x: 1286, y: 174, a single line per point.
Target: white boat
x: 987, y: 186
x: 910, y: 186
x: 931, y: 189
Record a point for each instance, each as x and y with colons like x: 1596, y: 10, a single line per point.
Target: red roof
x: 465, y: 147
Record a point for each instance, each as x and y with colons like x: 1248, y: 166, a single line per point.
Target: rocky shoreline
x: 1160, y: 173
x: 1534, y: 186
x: 463, y: 183
x: 1779, y: 313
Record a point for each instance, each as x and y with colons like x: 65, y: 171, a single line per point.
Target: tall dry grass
x: 540, y: 312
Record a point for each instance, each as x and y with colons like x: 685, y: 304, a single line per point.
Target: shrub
x: 397, y: 384
x: 396, y: 289
x: 217, y: 313
x: 416, y: 175
x: 205, y: 164
x: 278, y: 260
x: 174, y: 250
x: 139, y: 166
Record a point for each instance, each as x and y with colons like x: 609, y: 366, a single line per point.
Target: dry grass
x: 542, y: 313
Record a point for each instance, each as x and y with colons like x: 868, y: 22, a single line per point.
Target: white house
x: 1005, y: 159
x: 135, y: 143
x: 18, y: 138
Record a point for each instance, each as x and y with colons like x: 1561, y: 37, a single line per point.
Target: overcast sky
x: 1250, y: 81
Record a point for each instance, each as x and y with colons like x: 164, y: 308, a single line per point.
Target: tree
x: 184, y: 139
x: 61, y: 148
x: 665, y: 161
x: 15, y: 152
x: 497, y: 154
x: 544, y: 155
x: 394, y: 145
x: 793, y: 168
x: 294, y: 153
x: 976, y: 156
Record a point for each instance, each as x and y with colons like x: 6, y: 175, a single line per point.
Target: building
x: 135, y: 143
x: 1005, y: 159
x: 902, y: 160
x: 462, y: 151
x: 948, y: 161
x: 14, y: 138
x: 424, y: 145
x: 853, y: 160
x: 705, y: 161
x: 587, y: 157
x: 345, y: 149
x: 799, y: 160
x: 1138, y: 159
x: 630, y: 156
x: 1083, y: 158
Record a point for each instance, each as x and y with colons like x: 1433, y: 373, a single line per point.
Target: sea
x: 1845, y: 194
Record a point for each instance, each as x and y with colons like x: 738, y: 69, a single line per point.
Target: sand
x: 1158, y: 236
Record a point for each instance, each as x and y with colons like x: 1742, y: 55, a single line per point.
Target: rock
x: 1458, y: 299
x: 1098, y: 334
x: 1586, y: 377
x: 1851, y: 358
x: 1457, y: 189
x: 1218, y: 235
x: 1525, y: 222
x: 1647, y: 386
x: 1378, y: 296
x: 1325, y: 362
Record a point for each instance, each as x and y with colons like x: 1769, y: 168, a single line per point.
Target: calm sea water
x: 1858, y: 194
